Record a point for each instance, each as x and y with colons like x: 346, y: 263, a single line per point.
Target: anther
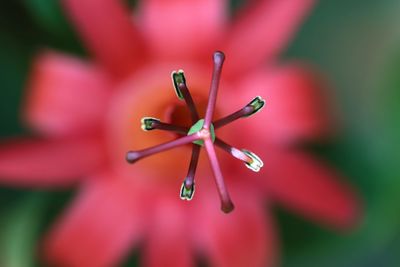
x: 148, y: 123
x: 178, y: 77
x: 257, y: 104
x: 187, y: 192
x: 255, y: 164
x: 251, y: 160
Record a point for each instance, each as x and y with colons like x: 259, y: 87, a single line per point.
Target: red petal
x: 310, y: 188
x: 66, y: 96
x: 263, y: 31
x: 49, y: 163
x: 168, y: 243
x: 182, y: 28
x: 244, y: 237
x: 108, y: 31
x: 297, y: 105
x: 98, y: 229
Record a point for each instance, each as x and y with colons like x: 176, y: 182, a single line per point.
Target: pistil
x: 218, y: 59
x: 133, y: 156
x: 226, y: 202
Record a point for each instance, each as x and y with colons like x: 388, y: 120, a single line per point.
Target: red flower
x: 87, y: 116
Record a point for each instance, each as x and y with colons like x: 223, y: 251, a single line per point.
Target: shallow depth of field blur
x: 355, y: 43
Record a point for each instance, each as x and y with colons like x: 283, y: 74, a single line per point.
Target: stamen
x: 251, y: 160
x: 189, y: 180
x: 149, y: 123
x: 133, y: 156
x: 232, y: 117
x: 218, y: 58
x: 250, y: 109
x: 187, y: 189
x: 189, y: 102
x: 202, y: 133
x: 226, y: 203
x: 182, y: 91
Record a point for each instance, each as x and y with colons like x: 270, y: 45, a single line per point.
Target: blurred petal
x: 65, y: 96
x: 244, y: 237
x: 310, y: 188
x: 98, y: 229
x: 168, y: 243
x: 182, y: 28
x: 48, y: 163
x: 108, y: 32
x: 262, y: 31
x: 297, y: 104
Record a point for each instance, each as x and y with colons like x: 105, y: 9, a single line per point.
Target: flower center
x: 201, y: 133
x: 204, y: 133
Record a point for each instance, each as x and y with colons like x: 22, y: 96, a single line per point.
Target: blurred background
x: 356, y: 43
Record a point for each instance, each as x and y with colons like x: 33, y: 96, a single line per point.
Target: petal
x: 168, y: 243
x: 108, y: 32
x: 298, y: 106
x: 310, y: 188
x: 262, y: 31
x: 98, y: 229
x: 65, y: 96
x: 182, y: 28
x: 244, y: 237
x: 29, y: 162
